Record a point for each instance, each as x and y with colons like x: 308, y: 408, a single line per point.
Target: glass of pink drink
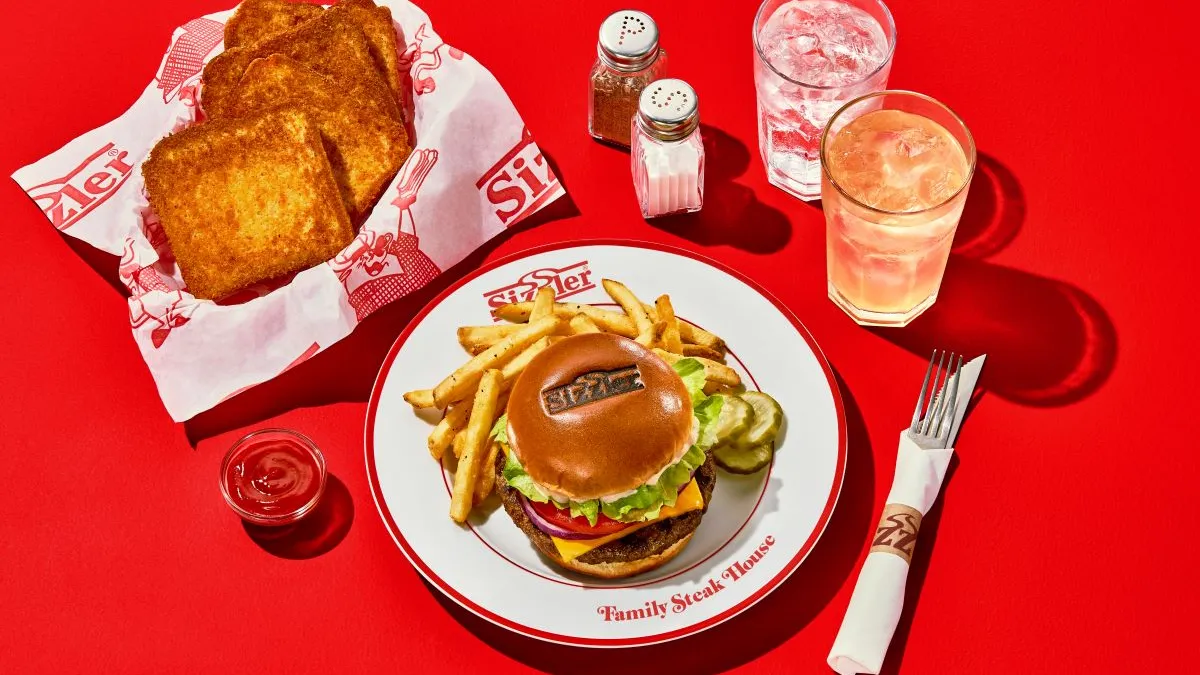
x: 811, y: 56
x: 896, y: 166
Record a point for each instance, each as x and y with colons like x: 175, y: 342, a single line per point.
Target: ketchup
x: 273, y: 477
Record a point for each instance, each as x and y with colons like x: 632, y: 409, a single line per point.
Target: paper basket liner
x: 471, y: 187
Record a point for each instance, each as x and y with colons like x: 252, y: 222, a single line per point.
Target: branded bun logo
x: 520, y: 183
x: 566, y: 281
x: 65, y: 200
x: 591, y: 387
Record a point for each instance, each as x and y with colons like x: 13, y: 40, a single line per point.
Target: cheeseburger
x: 604, y: 464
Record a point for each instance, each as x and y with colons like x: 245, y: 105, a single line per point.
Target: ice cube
x: 803, y: 43
x: 914, y: 141
x: 852, y: 42
x: 937, y: 184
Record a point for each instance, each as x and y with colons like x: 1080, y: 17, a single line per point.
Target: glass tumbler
x: 811, y: 57
x: 897, y: 166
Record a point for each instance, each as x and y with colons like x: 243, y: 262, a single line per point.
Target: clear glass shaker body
x: 668, y: 176
x: 613, y: 98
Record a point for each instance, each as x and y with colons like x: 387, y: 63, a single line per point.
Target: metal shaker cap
x: 628, y: 40
x: 668, y: 109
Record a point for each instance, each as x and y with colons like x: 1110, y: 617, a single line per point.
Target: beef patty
x: 648, y: 541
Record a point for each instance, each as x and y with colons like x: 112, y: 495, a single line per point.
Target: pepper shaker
x: 627, y: 59
x: 667, y: 156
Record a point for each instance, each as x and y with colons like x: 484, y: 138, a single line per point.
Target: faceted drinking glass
x: 896, y: 169
x: 811, y: 56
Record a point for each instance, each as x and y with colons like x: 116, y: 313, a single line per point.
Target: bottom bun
x: 618, y: 570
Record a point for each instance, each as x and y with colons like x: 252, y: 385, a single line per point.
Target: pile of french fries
x: 475, y: 395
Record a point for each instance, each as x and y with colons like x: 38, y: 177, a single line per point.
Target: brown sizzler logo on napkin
x: 897, y: 531
x: 593, y: 386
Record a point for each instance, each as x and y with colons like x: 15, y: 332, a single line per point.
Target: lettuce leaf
x: 677, y: 475
x: 500, y: 429
x: 645, y: 502
x: 514, y: 474
x: 589, y: 509
x: 634, y: 507
x: 707, y: 412
x: 692, y: 373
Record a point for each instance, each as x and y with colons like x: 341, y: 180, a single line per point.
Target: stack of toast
x: 303, y: 133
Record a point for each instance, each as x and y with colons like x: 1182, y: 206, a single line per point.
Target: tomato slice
x: 562, y: 518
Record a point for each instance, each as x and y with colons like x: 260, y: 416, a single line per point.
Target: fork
x: 922, y: 459
x: 934, y: 415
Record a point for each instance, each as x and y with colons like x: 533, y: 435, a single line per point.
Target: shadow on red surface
x: 994, y: 212
x: 732, y: 214
x: 1048, y: 343
x: 318, y: 533
x: 751, y: 634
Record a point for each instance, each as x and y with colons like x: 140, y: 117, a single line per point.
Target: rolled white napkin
x: 878, y: 597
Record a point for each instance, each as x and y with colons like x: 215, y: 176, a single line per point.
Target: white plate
x: 757, y: 530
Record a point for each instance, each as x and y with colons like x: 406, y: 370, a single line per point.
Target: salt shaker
x: 627, y: 59
x: 667, y: 156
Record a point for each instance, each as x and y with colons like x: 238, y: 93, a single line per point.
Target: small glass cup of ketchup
x: 273, y: 477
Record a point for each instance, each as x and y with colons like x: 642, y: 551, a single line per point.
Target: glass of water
x: 811, y: 57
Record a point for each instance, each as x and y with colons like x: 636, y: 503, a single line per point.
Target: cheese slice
x: 689, y: 499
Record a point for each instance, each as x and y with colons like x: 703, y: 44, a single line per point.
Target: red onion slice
x: 546, y: 526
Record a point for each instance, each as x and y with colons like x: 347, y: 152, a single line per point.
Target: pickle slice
x: 768, y: 417
x: 743, y: 459
x: 734, y: 420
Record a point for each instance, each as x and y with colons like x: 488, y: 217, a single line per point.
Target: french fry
x: 655, y: 337
x: 460, y: 438
x: 711, y: 388
x: 665, y: 312
x: 475, y: 449
x: 714, y: 372
x: 693, y: 334
x: 659, y: 335
x: 487, y: 473
x: 608, y: 320
x: 629, y: 302
x: 420, y: 398
x: 581, y: 324
x: 474, y: 337
x: 514, y: 367
x: 543, y: 303
x: 646, y: 338
x: 698, y: 336
x: 459, y: 383
x: 444, y: 432
x: 703, y: 352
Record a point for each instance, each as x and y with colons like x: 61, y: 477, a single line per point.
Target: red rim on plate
x: 488, y: 615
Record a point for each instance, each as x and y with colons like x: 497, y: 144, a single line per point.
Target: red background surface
x: 1064, y: 542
